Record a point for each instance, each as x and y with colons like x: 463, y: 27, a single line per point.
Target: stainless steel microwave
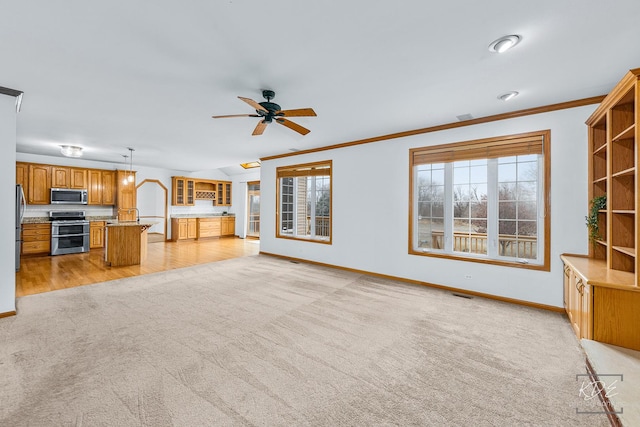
x: 68, y: 196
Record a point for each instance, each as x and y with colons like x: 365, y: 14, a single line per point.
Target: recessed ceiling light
x: 504, y: 43
x: 507, y: 96
x: 71, y: 150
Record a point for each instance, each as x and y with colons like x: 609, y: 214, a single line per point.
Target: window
x: 483, y: 200
x: 304, y: 202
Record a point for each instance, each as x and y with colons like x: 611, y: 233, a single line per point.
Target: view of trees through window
x: 513, y: 180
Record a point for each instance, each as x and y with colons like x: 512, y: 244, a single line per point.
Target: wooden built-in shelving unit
x: 602, y: 291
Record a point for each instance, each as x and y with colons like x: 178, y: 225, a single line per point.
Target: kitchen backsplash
x: 38, y: 211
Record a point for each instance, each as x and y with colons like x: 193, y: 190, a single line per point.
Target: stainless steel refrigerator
x: 20, y: 206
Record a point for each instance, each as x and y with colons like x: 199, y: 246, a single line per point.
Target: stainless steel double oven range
x: 69, y: 232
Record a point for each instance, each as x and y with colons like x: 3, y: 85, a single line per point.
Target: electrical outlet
x: 467, y: 276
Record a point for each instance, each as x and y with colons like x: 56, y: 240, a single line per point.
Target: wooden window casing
x: 504, y: 146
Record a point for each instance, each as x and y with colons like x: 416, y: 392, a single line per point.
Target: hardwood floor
x: 48, y: 273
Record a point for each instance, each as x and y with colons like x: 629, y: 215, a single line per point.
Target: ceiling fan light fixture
x: 71, y: 151
x: 507, y: 96
x: 504, y: 43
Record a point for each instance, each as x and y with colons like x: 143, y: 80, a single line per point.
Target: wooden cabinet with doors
x: 184, y: 228
x: 126, y: 196
x: 601, y: 303
x: 578, y: 302
x: 224, y: 193
x: 36, y: 239
x: 39, y: 189
x: 68, y: 177
x: 78, y: 178
x: 109, y: 188
x: 182, y: 191
x: 101, y: 186
x: 96, y: 234
x: 60, y: 177
x: 603, y: 288
x: 22, y: 175
x: 228, y: 226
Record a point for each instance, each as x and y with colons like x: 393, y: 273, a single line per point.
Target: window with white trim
x: 304, y: 201
x: 483, y: 200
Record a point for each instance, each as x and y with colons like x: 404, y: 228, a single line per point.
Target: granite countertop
x: 205, y: 215
x: 46, y: 220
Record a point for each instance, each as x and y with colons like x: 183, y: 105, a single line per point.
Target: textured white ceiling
x: 150, y: 74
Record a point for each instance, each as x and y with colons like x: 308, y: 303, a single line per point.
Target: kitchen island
x: 126, y: 242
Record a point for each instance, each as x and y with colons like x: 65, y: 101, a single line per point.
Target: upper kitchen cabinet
x: 101, y: 186
x: 39, y: 188
x: 182, y: 191
x: 108, y: 187
x: 126, y: 194
x: 78, y: 178
x: 68, y: 177
x: 224, y: 193
x: 22, y: 175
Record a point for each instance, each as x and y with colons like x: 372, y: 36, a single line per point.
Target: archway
x: 152, y: 198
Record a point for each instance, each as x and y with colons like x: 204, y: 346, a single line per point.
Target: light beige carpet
x: 263, y: 341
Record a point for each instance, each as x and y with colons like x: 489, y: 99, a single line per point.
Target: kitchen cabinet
x: 202, y: 227
x: 22, y: 175
x: 78, y: 178
x: 228, y: 226
x: 126, y: 196
x: 68, y: 177
x: 182, y: 191
x: 184, y: 228
x: 39, y: 190
x: 36, y: 239
x: 96, y: 234
x: 101, y: 187
x: 109, y: 187
x: 224, y: 193
x: 209, y: 227
x: 60, y: 177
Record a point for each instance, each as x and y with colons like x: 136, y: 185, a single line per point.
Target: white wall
x: 376, y: 239
x: 7, y: 193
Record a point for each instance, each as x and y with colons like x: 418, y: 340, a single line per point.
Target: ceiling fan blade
x: 235, y: 115
x: 254, y: 104
x: 300, y: 112
x: 262, y: 125
x: 293, y: 126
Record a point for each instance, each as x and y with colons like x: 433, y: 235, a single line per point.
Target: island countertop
x: 118, y: 223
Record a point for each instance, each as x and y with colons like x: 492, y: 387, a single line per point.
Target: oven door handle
x: 69, y: 235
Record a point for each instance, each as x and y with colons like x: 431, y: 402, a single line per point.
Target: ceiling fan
x: 270, y: 112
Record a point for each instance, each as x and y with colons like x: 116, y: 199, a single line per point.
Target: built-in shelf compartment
x: 628, y: 133
x: 205, y: 195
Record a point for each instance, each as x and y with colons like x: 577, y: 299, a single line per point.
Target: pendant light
x: 131, y: 178
x: 125, y: 181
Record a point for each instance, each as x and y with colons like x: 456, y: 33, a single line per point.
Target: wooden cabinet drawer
x: 208, y: 227
x: 32, y: 232
x: 36, y: 247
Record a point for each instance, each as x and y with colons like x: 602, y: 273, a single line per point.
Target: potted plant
x: 597, y: 204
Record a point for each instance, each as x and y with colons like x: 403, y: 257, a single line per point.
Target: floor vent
x: 463, y: 296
